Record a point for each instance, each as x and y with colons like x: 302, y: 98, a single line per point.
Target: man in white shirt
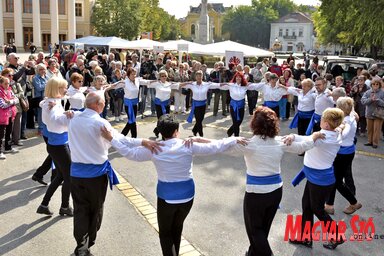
x: 91, y: 170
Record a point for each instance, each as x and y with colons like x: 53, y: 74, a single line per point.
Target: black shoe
x: 224, y: 114
x: 44, y: 210
x: 40, y: 180
x: 374, y: 146
x: 302, y: 154
x: 66, y: 211
x: 23, y: 137
x: 331, y: 245
x: 368, y: 144
x: 305, y: 243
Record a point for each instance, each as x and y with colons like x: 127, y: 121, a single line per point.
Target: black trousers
x: 159, y: 113
x: 88, y: 201
x: 6, y: 131
x: 45, y: 166
x: 235, y: 127
x: 302, y: 125
x: 313, y: 201
x: 252, y: 100
x: 259, y: 212
x: 288, y: 110
x: 130, y: 127
x: 62, y: 158
x: 316, y: 127
x: 276, y: 110
x: 199, y: 116
x: 170, y: 218
x: 342, y: 165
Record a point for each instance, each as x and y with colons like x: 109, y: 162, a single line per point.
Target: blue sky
x: 180, y: 8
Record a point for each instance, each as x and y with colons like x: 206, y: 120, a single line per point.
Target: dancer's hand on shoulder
x: 189, y: 142
x: 318, y: 136
x: 106, y: 134
x: 153, y: 146
x: 242, y: 141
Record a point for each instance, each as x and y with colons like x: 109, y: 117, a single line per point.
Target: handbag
x: 378, y: 112
x: 24, y: 104
x: 118, y: 93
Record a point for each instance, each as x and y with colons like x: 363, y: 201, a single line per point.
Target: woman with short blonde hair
x: 56, y: 130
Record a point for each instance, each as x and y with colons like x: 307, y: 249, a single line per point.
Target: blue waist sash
x: 176, y: 190
x: 195, y: 103
x: 163, y: 104
x: 263, y: 180
x: 271, y: 104
x: 323, y: 177
x: 55, y: 139
x: 45, y: 131
x: 347, y: 150
x: 237, y: 105
x: 131, y: 113
x: 78, y: 109
x: 80, y: 170
x: 314, y: 120
x: 301, y: 115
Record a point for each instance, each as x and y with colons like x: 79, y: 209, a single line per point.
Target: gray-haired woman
x: 372, y: 99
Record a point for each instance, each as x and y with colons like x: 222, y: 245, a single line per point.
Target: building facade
x: 43, y: 22
x: 190, y: 24
x: 292, y: 32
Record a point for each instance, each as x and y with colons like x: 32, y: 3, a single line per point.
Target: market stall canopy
x: 218, y: 49
x: 111, y: 42
x: 173, y: 45
x: 143, y: 44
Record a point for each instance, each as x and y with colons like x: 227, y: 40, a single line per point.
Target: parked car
x: 346, y: 66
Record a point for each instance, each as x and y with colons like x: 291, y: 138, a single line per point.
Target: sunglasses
x: 163, y: 76
x: 375, y: 83
x: 80, y: 81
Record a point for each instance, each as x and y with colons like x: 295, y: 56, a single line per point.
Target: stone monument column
x: 18, y: 24
x: 71, y: 20
x: 54, y: 22
x: 204, y: 37
x: 36, y: 24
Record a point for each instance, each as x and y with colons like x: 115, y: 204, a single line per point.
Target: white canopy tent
x: 218, y: 49
x: 110, y: 42
x: 143, y: 44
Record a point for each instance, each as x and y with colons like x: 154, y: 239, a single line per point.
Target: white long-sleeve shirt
x: 270, y: 93
x: 174, y: 162
x: 163, y: 90
x: 349, y: 131
x: 131, y: 89
x: 323, y: 101
x: 263, y: 158
x: 200, y: 91
x: 55, y: 119
x: 76, y: 97
x: 306, y: 101
x: 85, y: 141
x: 323, y: 154
x: 236, y: 91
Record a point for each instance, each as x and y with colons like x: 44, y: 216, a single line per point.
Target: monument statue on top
x: 204, y: 28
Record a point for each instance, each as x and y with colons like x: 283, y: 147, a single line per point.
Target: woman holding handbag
x: 19, y: 93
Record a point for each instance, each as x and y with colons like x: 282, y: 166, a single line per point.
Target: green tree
x: 117, y: 18
x: 129, y: 18
x: 349, y: 22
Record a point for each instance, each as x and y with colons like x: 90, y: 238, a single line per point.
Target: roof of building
x: 217, y: 7
x: 294, y: 17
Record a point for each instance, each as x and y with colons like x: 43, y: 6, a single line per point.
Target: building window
x: 61, y: 5
x: 9, y: 5
x: 293, y: 33
x: 301, y: 32
x: 193, y: 30
x: 79, y: 36
x: 10, y: 38
x: 286, y: 32
x: 27, y: 6
x: 62, y: 37
x: 44, y: 6
x: 280, y: 32
x: 78, y: 10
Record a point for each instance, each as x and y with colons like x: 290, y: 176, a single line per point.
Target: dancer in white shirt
x: 175, y: 187
x: 263, y: 191
x: 163, y: 94
x: 75, y: 93
x: 272, y: 93
x: 318, y: 169
x: 56, y: 130
x: 91, y: 170
x: 199, y: 100
x: 343, y: 161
